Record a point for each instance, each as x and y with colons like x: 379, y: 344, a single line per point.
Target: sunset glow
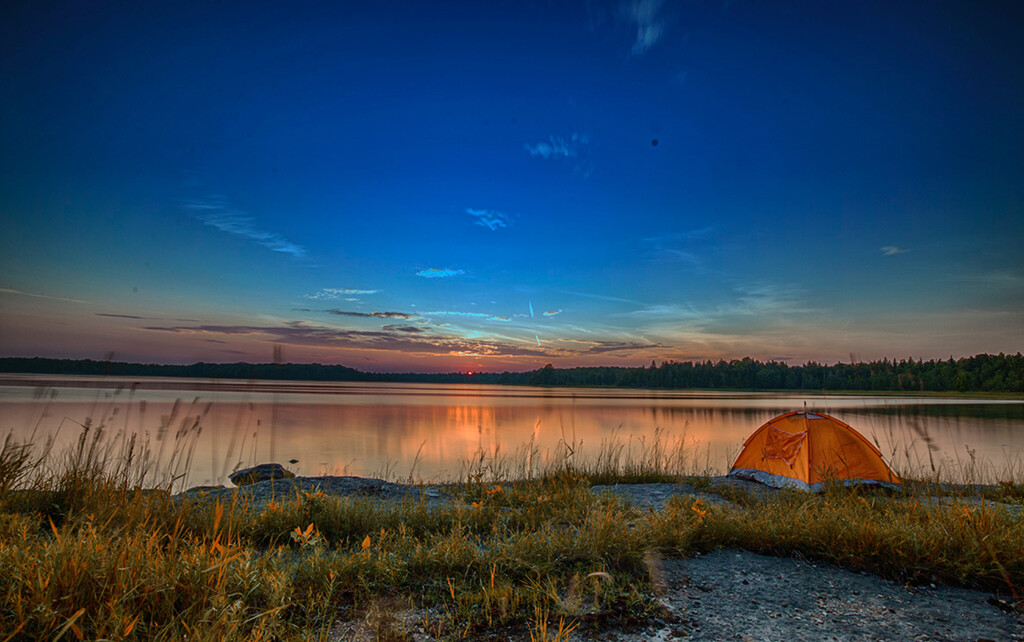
x: 476, y: 186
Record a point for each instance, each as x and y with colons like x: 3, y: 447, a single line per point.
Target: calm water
x: 432, y: 431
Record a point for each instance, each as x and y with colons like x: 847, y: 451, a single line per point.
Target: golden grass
x: 86, y: 554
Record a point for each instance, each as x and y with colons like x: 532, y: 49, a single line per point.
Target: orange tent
x: 803, y: 449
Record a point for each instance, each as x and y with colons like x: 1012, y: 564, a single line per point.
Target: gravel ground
x: 737, y: 595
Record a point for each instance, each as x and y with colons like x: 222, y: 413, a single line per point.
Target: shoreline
x: 342, y: 558
x: 643, y: 494
x: 189, y: 382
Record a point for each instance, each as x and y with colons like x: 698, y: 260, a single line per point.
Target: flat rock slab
x: 283, y: 489
x: 654, y: 496
x: 737, y: 595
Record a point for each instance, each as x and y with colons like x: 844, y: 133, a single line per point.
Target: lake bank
x: 338, y: 557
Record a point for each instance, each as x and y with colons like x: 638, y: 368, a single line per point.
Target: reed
x: 87, y: 552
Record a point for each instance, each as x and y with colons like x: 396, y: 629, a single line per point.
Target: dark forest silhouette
x: 980, y: 373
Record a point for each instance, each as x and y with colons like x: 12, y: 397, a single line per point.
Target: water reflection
x: 431, y: 431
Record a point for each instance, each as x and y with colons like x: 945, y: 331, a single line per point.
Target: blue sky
x: 499, y: 185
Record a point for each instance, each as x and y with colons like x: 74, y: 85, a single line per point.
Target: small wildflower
x: 698, y: 507
x: 306, y: 537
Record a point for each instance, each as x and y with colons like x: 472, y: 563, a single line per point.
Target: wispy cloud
x: 40, y: 296
x: 370, y: 315
x: 439, y: 273
x: 403, y: 328
x: 339, y: 293
x: 215, y: 212
x: 122, y: 316
x: 491, y: 219
x: 664, y: 311
x: 766, y: 298
x: 756, y: 308
x: 551, y: 313
x: 472, y: 315
x: 669, y: 238
x: 1000, y: 290
x: 650, y: 23
x: 601, y: 347
x: 557, y: 147
x: 996, y: 278
x: 889, y: 250
x: 395, y: 339
x: 600, y: 297
x: 681, y: 247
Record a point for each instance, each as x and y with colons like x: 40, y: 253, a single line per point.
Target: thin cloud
x: 339, y: 293
x: 557, y: 147
x: 601, y: 347
x: 472, y: 315
x: 681, y: 247
x: 890, y: 250
x: 370, y: 315
x: 996, y: 278
x: 491, y: 219
x: 399, y: 339
x: 677, y: 237
x: 123, y: 316
x: 763, y: 297
x: 215, y: 212
x: 664, y: 311
x: 40, y: 296
x: 403, y: 328
x: 439, y: 273
x: 600, y: 297
x: 551, y: 313
x: 650, y: 23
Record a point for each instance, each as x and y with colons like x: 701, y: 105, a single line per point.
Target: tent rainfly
x: 801, y: 450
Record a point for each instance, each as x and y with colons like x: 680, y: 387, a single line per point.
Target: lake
x: 433, y: 432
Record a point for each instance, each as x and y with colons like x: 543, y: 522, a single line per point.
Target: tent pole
x: 807, y: 430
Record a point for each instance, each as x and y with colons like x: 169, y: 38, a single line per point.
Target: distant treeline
x: 980, y: 373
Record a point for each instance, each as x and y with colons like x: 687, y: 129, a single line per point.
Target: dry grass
x: 86, y: 553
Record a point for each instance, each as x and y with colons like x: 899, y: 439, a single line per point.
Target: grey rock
x: 259, y: 473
